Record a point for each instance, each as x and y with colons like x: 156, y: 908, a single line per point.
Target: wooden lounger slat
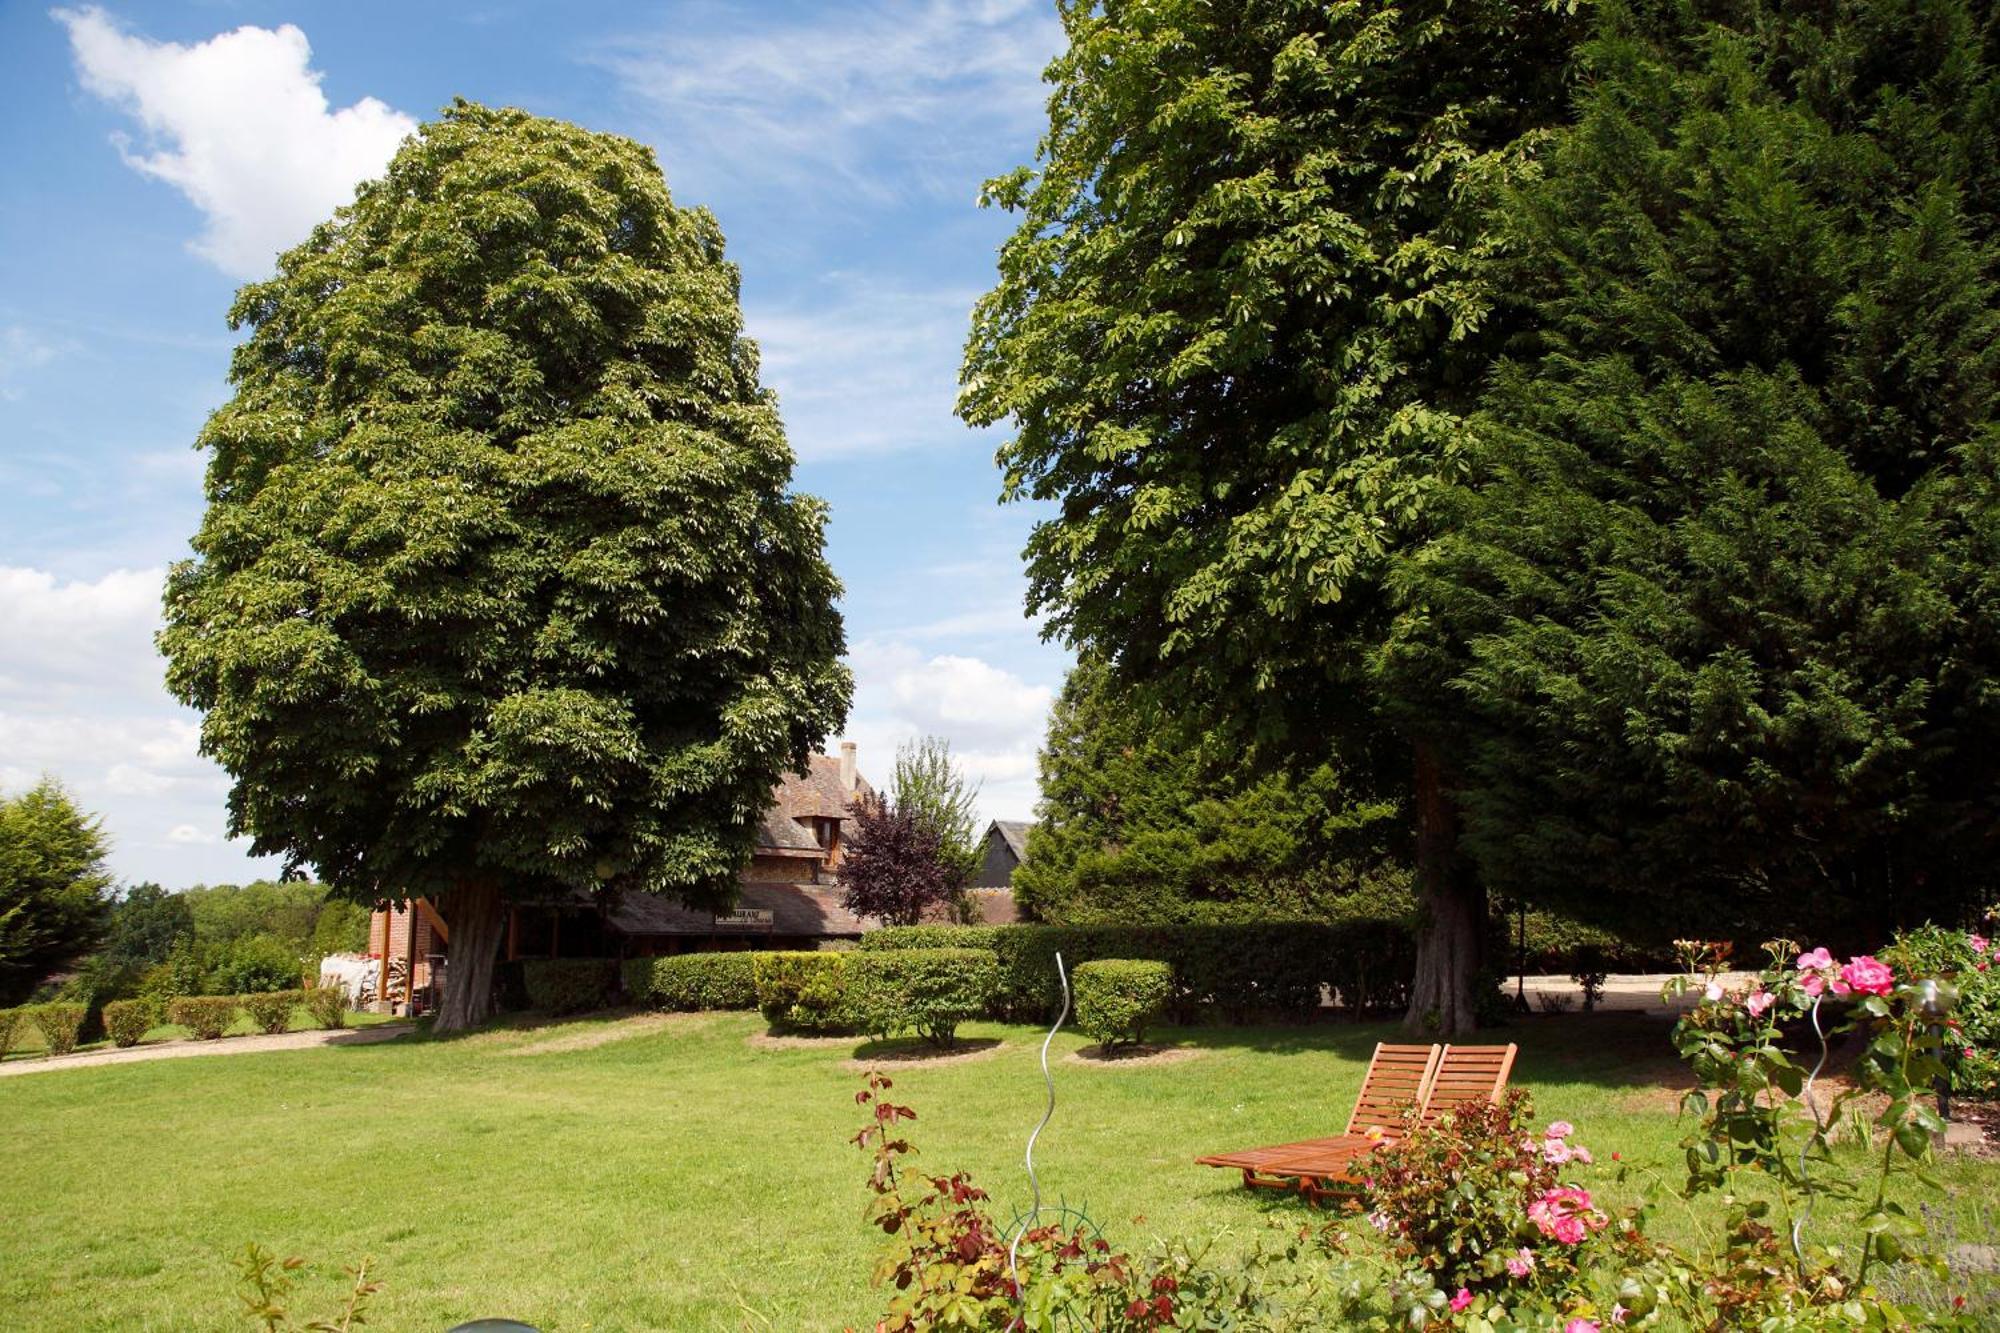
x: 1446, y: 1077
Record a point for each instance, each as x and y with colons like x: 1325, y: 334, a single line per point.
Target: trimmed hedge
x: 60, y: 1023
x: 10, y: 1029
x: 126, y: 1021
x: 271, y: 1010
x: 327, y: 1005
x: 926, y: 991
x: 204, y: 1016
x: 806, y: 991
x: 1117, y: 998
x: 692, y: 981
x: 1243, y: 971
x: 570, y: 985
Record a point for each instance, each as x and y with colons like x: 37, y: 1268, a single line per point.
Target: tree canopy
x: 1236, y: 333
x: 54, y: 888
x: 896, y: 867
x: 1719, y: 618
x: 1134, y: 827
x: 501, y: 589
x: 929, y: 783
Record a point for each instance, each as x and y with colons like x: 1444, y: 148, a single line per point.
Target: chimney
x: 847, y: 769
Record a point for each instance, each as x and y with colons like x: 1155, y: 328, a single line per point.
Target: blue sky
x: 157, y: 155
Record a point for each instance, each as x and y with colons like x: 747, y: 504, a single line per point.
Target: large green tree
x: 501, y: 589
x: 1136, y: 826
x: 54, y: 888
x: 1721, y: 621
x: 1236, y: 332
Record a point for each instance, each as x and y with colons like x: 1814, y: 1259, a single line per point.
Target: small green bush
x: 327, y: 1005
x: 1118, y: 998
x: 570, y: 985
x: 807, y: 991
x: 271, y: 1010
x: 256, y: 963
x: 204, y: 1016
x: 127, y: 1020
x: 926, y: 991
x: 693, y: 981
x: 10, y: 1030
x: 60, y: 1023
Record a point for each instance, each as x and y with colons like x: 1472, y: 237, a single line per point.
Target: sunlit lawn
x: 676, y: 1176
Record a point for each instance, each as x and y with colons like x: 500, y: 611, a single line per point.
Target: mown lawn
x: 675, y: 1175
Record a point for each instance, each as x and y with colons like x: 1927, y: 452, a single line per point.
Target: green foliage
x: 340, y: 927
x: 807, y: 991
x: 929, y: 784
x: 570, y: 985
x: 271, y: 1010
x: 60, y: 1024
x: 500, y: 580
x: 1117, y: 998
x: 10, y: 1029
x: 1713, y: 630
x: 147, y: 923
x: 266, y: 1286
x: 925, y: 991
x: 255, y: 963
x: 327, y: 1005
x: 694, y: 981
x: 1970, y: 963
x: 204, y: 1016
x: 53, y: 884
x: 1134, y: 828
x: 1263, y: 969
x: 126, y: 1021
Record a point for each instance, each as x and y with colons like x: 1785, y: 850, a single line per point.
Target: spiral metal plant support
x: 1805, y: 1093
x: 1034, y: 1184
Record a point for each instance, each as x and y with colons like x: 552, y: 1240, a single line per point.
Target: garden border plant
x: 1118, y: 998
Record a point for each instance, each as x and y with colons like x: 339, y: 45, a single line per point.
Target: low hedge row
x: 1118, y: 998
x: 570, y: 985
x: 1241, y: 971
x: 686, y: 982
x: 883, y: 993
x: 207, y: 1017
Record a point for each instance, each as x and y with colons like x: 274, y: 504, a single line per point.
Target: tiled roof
x: 1015, y: 834
x: 817, y: 794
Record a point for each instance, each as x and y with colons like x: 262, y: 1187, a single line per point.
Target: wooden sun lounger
x: 1399, y: 1077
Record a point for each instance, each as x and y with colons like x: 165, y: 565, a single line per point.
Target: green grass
x: 677, y: 1177
x: 29, y: 1045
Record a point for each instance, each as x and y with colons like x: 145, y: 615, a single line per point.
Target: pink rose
x: 1559, y: 1129
x: 1460, y: 1301
x: 1816, y: 961
x: 1968, y: 1052
x: 1978, y: 943
x: 1758, y: 1001
x: 1556, y: 1151
x: 1580, y: 1326
x: 1565, y: 1214
x: 1521, y: 1263
x: 1713, y: 993
x: 1580, y: 1153
x: 1618, y: 1312
x: 1812, y: 984
x: 1868, y: 975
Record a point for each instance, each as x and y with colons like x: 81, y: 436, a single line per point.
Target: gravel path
x: 175, y: 1050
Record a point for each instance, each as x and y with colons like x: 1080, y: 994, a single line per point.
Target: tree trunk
x: 475, y: 915
x: 1451, y: 928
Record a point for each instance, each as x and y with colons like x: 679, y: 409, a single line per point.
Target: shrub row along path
x: 174, y: 1050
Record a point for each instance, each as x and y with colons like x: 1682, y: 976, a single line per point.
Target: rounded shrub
x: 687, y: 982
x: 204, y: 1016
x: 806, y: 991
x: 126, y: 1021
x: 60, y: 1023
x: 925, y: 991
x: 570, y: 985
x: 1118, y: 998
x: 327, y: 1005
x: 271, y: 1010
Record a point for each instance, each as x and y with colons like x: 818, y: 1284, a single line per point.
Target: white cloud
x: 23, y: 350
x: 864, y: 367
x: 239, y: 125
x: 873, y: 101
x: 993, y: 718
x: 82, y: 701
